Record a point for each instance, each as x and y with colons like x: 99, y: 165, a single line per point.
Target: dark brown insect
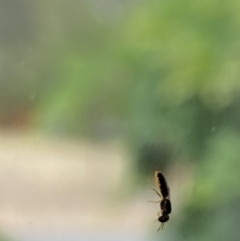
x: 164, y: 194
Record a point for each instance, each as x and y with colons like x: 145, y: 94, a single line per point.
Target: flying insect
x: 163, y: 191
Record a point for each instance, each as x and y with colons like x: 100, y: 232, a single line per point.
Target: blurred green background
x: 163, y: 77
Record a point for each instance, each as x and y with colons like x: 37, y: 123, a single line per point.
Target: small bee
x: 164, y: 193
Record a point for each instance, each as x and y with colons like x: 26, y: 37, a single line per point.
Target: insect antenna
x: 161, y: 226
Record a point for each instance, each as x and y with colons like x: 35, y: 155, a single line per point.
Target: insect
x: 164, y: 193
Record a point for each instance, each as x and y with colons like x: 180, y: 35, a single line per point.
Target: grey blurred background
x: 96, y: 95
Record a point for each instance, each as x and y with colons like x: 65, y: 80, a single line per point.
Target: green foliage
x: 191, y: 76
x: 214, y: 203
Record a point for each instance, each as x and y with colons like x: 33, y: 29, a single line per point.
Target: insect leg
x: 154, y: 201
x: 158, y: 215
x: 155, y: 220
x: 157, y: 193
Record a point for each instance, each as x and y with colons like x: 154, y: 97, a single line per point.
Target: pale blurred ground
x: 53, y: 189
x: 53, y: 184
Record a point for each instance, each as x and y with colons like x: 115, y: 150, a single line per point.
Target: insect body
x: 164, y: 194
